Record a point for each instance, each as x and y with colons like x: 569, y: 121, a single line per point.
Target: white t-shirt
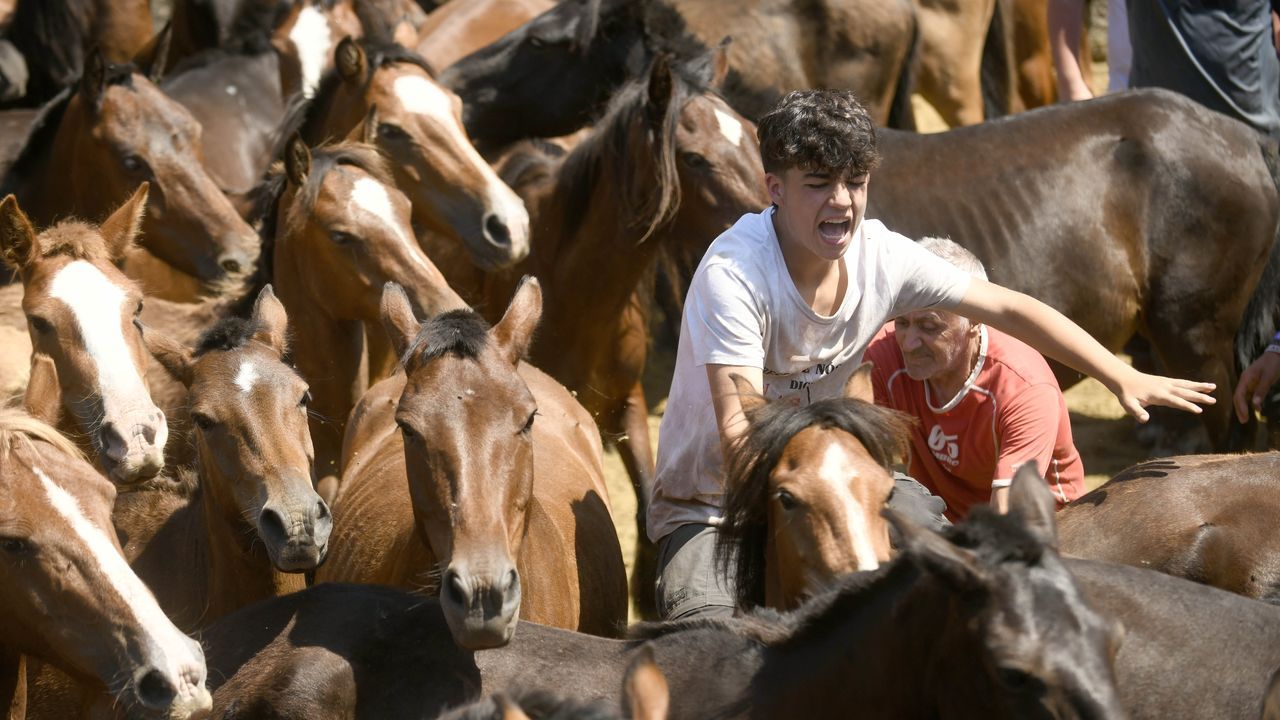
x: 743, y: 309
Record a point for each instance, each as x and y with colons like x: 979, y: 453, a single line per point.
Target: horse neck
x: 899, y: 621
x: 50, y: 189
x: 239, y: 571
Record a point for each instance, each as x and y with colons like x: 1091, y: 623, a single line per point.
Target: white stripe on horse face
x: 246, y: 377
x: 420, y: 96
x: 373, y: 198
x: 730, y: 127
x: 95, y: 304
x: 836, y: 470
x: 311, y: 36
x: 175, y: 647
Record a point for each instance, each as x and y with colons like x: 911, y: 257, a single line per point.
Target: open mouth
x: 833, y: 230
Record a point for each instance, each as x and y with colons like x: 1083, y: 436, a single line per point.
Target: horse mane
x: 462, y: 333
x: 349, y: 154
x: 609, y: 152
x: 231, y: 333
x: 16, y: 426
x: 742, y: 536
x: 74, y: 239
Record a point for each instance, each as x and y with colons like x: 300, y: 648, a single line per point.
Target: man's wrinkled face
x: 933, y: 341
x: 819, y: 210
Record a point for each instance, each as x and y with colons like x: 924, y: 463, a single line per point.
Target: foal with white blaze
x: 80, y: 313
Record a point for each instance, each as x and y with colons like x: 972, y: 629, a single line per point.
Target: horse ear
x: 720, y: 62
x: 1030, y: 499
x: 171, y: 355
x: 17, y: 237
x: 858, y: 386
x: 661, y: 86
x: 514, y: 331
x: 43, y: 399
x: 748, y: 397
x: 371, y: 125
x: 644, y: 687
x: 350, y: 60
x: 93, y: 78
x: 398, y: 318
x: 297, y: 160
x: 508, y: 707
x: 122, y: 227
x: 272, y: 321
x: 933, y: 554
x: 153, y: 58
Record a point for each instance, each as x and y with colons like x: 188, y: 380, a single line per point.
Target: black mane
x: 229, y: 334
x: 462, y: 333
x: 742, y: 536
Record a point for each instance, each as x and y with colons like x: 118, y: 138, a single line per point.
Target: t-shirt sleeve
x: 726, y: 326
x: 1027, y: 428
x: 921, y: 279
x: 881, y: 354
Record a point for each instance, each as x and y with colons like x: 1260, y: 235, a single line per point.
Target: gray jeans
x: 689, y: 583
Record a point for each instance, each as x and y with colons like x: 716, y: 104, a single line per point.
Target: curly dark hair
x: 821, y: 131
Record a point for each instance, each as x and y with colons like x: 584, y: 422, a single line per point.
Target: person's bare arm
x: 1057, y: 337
x: 1000, y: 499
x: 728, y: 405
x: 1066, y: 20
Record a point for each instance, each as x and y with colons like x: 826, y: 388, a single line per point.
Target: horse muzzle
x: 481, y: 611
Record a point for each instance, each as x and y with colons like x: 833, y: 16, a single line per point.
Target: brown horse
x: 466, y: 218
x: 305, y: 39
x: 824, y: 467
x: 70, y: 598
x: 457, y: 29
x: 991, y: 608
x: 1114, y: 189
x: 54, y: 37
x: 503, y: 516
x: 248, y: 522
x: 1207, y: 518
x: 951, y: 51
x: 682, y: 164
x: 117, y: 129
x: 340, y: 230
x: 80, y: 313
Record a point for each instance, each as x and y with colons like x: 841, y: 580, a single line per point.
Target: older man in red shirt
x: 986, y: 403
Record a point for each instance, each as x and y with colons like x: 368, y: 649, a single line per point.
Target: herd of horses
x: 317, y: 344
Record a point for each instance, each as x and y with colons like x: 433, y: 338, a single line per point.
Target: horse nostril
x: 154, y: 691
x: 322, y: 510
x: 455, y: 589
x: 496, y: 231
x: 271, y: 525
x: 511, y: 580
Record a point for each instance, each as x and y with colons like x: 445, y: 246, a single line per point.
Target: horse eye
x: 787, y: 500
x: 306, y: 399
x: 15, y: 546
x: 537, y: 42
x: 406, y: 428
x: 528, y: 424
x: 133, y: 163
x: 138, y: 310
x: 1014, y: 679
x: 343, y: 238
x: 202, y: 421
x: 387, y: 131
x: 40, y: 324
x: 694, y: 160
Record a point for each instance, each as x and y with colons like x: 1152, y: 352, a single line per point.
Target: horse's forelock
x: 17, y: 427
x: 73, y: 239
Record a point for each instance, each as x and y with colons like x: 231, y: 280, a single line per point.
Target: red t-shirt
x: 1010, y: 411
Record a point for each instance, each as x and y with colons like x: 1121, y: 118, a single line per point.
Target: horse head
x: 80, y: 313
x: 69, y: 595
x: 249, y: 409
x: 467, y: 421
x: 804, y: 491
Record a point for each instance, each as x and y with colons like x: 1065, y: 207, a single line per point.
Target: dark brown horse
x: 457, y: 29
x: 504, y: 517
x: 1207, y: 518
x: 68, y: 594
x: 824, y: 467
x: 79, y: 311
x: 992, y: 608
x: 93, y: 145
x: 1121, y: 212
x: 556, y: 71
x: 682, y: 164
